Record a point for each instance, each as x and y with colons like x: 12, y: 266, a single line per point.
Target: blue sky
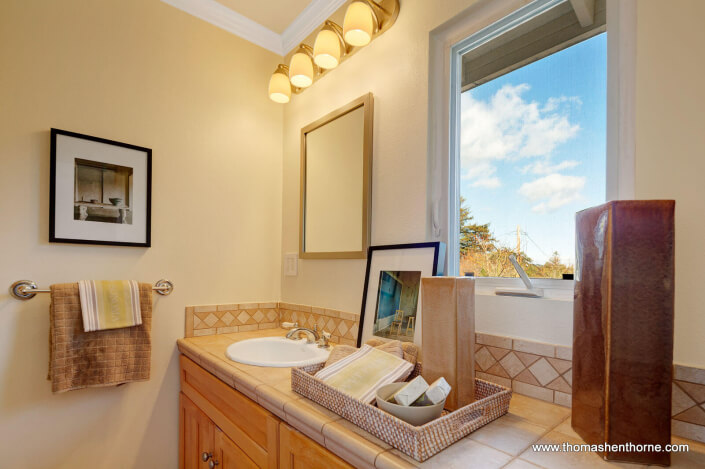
x: 533, y: 148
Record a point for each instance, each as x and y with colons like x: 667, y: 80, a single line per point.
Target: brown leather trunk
x: 623, y: 327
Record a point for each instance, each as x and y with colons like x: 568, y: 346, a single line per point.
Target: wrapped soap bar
x: 435, y: 394
x: 410, y: 392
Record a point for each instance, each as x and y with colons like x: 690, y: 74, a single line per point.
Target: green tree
x: 473, y: 236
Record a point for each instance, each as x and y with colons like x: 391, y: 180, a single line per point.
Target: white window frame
x: 470, y: 29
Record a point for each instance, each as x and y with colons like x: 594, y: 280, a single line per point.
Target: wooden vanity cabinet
x: 297, y: 451
x: 218, y: 420
x: 235, y: 432
x: 197, y: 434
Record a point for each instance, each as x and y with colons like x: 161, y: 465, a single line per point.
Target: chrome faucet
x: 311, y: 334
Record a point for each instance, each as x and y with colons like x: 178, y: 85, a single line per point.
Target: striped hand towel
x: 109, y: 304
x: 361, y: 374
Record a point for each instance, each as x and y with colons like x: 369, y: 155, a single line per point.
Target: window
x: 531, y: 141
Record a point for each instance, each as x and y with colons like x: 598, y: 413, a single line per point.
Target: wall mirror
x: 336, y: 167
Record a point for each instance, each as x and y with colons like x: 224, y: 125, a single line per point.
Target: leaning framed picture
x: 390, y: 300
x: 100, y: 191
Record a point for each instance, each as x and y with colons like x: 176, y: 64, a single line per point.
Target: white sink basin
x: 276, y: 352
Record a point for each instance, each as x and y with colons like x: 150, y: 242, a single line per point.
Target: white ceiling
x: 276, y: 25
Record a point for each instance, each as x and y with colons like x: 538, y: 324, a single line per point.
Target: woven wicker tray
x: 418, y: 442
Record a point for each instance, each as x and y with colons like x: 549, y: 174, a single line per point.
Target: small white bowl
x: 415, y: 415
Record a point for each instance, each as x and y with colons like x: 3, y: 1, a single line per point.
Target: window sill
x: 554, y: 289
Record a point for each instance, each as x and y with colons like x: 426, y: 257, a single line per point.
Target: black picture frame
x: 53, y: 238
x: 437, y: 269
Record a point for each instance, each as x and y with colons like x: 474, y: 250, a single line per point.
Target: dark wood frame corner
x: 439, y: 257
x: 367, y: 102
x: 52, y: 191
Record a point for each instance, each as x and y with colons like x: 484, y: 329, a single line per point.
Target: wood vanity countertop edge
x: 271, y: 388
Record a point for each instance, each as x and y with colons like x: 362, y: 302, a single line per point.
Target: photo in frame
x: 101, y: 191
x: 391, y: 307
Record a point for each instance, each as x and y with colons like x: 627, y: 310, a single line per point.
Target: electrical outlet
x: 291, y: 264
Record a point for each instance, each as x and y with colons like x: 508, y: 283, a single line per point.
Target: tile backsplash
x: 536, y: 369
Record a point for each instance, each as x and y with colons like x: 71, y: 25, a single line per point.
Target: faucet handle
x: 323, y: 341
x: 290, y: 325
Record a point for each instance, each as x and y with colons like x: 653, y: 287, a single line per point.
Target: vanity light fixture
x: 360, y: 24
x: 329, y: 46
x: 364, y: 21
x: 301, y: 67
x: 279, y: 85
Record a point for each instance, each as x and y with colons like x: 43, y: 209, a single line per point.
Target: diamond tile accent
x: 561, y: 366
x: 227, y: 318
x: 354, y: 330
x: 258, y: 316
x: 559, y: 384
x: 497, y: 353
x: 568, y: 376
x: 497, y: 370
x: 543, y: 372
x: 512, y: 364
x: 680, y: 401
x: 526, y: 377
x: 484, y: 358
x: 271, y: 315
x: 196, y: 322
x: 331, y: 325
x: 527, y: 358
x: 342, y: 328
x: 243, y: 317
x: 210, y: 320
x: 694, y: 415
x: 695, y: 391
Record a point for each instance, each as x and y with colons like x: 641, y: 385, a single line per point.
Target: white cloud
x: 487, y: 183
x: 508, y: 127
x: 552, y: 191
x: 544, y: 167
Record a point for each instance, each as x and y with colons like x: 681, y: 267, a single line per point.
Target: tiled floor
x: 506, y: 443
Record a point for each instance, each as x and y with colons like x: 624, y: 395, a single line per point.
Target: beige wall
x: 670, y: 148
x: 669, y: 161
x: 394, y: 68
x: 142, y: 72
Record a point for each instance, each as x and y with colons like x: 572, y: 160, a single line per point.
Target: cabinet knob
x: 206, y: 456
x: 213, y: 463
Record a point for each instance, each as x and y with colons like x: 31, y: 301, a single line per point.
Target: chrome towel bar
x: 26, y: 289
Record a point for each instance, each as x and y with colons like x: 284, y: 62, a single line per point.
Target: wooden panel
x: 196, y: 435
x: 249, y: 426
x: 297, y: 451
x: 229, y: 455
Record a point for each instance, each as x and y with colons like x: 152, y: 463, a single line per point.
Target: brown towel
x: 110, y: 357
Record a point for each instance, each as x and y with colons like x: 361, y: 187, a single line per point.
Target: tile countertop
x: 506, y: 442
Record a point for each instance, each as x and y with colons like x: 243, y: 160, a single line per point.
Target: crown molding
x: 223, y: 17
x: 308, y: 20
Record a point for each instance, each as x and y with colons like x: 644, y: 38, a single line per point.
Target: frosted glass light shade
x: 279, y: 87
x: 358, y: 25
x: 301, y: 70
x: 326, y: 49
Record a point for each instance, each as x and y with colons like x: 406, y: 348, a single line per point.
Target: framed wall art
x: 100, y: 191
x: 390, y: 300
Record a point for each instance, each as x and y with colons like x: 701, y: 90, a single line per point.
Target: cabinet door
x: 297, y: 451
x: 228, y: 455
x: 196, y: 435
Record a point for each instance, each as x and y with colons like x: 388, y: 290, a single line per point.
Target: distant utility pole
x: 518, y: 239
